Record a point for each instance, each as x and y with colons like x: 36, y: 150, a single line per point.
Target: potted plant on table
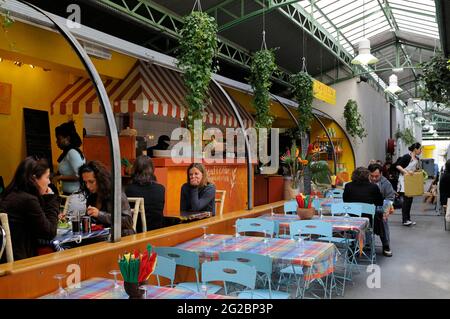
x: 295, y: 166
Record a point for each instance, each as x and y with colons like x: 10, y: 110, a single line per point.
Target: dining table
x: 104, y: 288
x: 319, y: 258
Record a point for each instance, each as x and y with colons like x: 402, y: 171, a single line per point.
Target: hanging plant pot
x: 302, y: 84
x: 353, y: 120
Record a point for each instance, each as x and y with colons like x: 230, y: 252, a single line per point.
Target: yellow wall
x: 347, y: 155
x: 36, y: 89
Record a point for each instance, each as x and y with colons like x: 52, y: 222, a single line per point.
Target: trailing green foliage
x: 436, y: 76
x: 198, y: 46
x: 406, y: 136
x: 353, y: 120
x: 262, y: 68
x: 303, y: 93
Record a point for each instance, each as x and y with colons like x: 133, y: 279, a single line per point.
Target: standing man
x: 376, y: 177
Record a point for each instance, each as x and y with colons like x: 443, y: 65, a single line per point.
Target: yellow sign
x: 324, y: 92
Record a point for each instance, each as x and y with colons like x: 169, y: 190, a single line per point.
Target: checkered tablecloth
x: 102, y: 288
x: 319, y: 256
x: 359, y: 225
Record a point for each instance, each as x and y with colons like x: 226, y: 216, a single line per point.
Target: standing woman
x: 32, y: 207
x: 95, y: 183
x: 407, y: 165
x: 198, y: 194
x: 71, y: 158
x: 144, y: 185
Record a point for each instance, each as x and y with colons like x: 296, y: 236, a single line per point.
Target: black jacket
x: 194, y: 199
x: 444, y: 188
x: 104, y: 217
x: 153, y: 194
x: 366, y: 192
x: 30, y: 218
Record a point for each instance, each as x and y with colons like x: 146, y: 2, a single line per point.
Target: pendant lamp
x: 393, y: 85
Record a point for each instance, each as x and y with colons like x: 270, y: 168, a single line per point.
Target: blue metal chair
x: 188, y: 259
x: 165, y: 267
x: 257, y: 225
x: 346, y: 209
x: 335, y: 193
x: 290, y: 207
x: 263, y: 265
x: 370, y: 209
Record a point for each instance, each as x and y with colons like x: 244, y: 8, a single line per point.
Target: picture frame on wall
x: 5, y: 98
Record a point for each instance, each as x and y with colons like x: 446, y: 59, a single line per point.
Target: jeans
x: 406, y: 208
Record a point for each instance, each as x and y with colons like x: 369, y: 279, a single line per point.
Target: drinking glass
x: 300, y: 239
x: 116, y: 289
x: 265, y: 237
x: 271, y: 211
x: 205, y: 235
x: 61, y: 293
x: 320, y: 213
x: 204, y: 289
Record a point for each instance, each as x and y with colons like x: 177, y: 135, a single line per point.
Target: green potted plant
x: 406, y: 136
x: 436, y: 77
x: 198, y: 46
x: 302, y: 84
x: 353, y: 120
x: 262, y: 67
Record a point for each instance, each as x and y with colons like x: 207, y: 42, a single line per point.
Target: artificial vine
x: 353, y: 120
x: 303, y: 90
x: 262, y: 67
x: 198, y: 46
x: 436, y: 76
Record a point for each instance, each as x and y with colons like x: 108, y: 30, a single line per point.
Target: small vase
x: 134, y: 290
x: 305, y: 213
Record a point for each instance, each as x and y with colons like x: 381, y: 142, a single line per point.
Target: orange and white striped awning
x: 148, y: 88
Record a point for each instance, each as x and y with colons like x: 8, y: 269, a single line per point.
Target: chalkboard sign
x: 37, y: 134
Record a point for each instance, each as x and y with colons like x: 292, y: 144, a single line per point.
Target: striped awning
x: 150, y: 89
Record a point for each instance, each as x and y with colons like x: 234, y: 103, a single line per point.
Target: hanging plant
x: 353, y: 120
x: 198, y: 46
x: 262, y: 67
x: 303, y: 94
x: 436, y: 76
x: 406, y: 136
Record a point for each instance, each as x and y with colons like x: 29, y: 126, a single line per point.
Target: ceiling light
x: 364, y: 56
x: 1, y: 59
x: 17, y: 63
x: 32, y: 66
x: 419, y: 119
x: 397, y: 70
x: 435, y: 135
x: 393, y: 87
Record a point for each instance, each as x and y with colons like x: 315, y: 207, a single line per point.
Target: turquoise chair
x: 263, y: 265
x: 165, y: 267
x: 346, y: 209
x: 335, y: 193
x: 290, y: 207
x: 257, y: 225
x: 188, y: 259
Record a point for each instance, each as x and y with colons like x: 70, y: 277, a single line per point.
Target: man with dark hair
x: 376, y: 177
x: 444, y: 184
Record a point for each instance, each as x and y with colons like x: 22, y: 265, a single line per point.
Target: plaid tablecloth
x: 358, y: 225
x: 102, y: 288
x: 318, y: 256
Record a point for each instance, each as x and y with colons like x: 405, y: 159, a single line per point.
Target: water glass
x: 265, y: 237
x: 205, y: 235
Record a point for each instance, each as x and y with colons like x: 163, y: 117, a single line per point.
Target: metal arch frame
x: 113, y: 140
x: 248, y: 153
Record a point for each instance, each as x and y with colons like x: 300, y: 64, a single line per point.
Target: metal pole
x: 109, y: 121
x: 248, y: 153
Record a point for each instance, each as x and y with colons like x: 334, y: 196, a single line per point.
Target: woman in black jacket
x: 198, y: 194
x: 144, y: 185
x: 95, y: 183
x: 407, y: 165
x: 32, y: 207
x: 444, y: 184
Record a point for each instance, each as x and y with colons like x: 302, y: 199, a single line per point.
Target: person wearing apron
x: 407, y: 165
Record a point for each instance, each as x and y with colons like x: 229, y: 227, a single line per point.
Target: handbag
x: 398, y: 202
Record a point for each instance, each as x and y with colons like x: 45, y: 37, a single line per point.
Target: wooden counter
x: 33, y: 277
x: 231, y: 177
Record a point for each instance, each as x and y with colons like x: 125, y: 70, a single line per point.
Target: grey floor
x: 420, y: 265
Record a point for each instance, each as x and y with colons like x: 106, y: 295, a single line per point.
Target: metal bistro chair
x: 64, y: 206
x: 335, y: 193
x: 188, y: 259
x: 290, y: 207
x: 165, y: 267
x: 138, y: 210
x: 6, y: 238
x: 263, y: 266
x: 232, y: 272
x: 220, y: 200
x: 258, y: 225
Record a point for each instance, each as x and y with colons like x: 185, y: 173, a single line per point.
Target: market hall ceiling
x: 324, y: 31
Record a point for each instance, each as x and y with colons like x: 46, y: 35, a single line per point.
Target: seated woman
x: 144, y: 185
x: 198, y: 194
x: 95, y: 183
x: 361, y: 190
x: 32, y: 207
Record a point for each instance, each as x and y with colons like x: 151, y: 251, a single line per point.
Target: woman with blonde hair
x: 198, y: 194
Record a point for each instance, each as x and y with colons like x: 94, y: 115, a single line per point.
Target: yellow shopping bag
x: 414, y: 184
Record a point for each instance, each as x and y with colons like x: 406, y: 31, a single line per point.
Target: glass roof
x: 348, y: 21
